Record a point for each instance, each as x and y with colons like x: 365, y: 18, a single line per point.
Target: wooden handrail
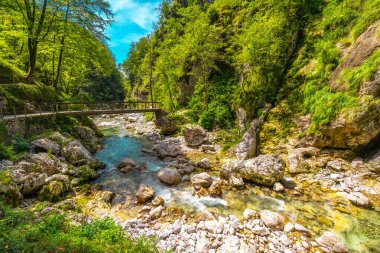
x: 77, y: 107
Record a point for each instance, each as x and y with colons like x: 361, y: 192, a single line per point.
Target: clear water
x: 359, y: 228
x: 117, y: 148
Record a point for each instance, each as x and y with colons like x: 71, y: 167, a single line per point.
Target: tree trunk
x: 32, y: 47
x: 60, y: 57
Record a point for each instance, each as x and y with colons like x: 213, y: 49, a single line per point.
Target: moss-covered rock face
x: 88, y: 138
x: 9, y: 191
x: 85, y: 173
x: 52, y: 192
x: 76, y: 153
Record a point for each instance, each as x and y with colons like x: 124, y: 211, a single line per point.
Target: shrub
x: 21, y: 232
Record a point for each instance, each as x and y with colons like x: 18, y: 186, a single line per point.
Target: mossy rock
x: 9, y: 191
x: 52, y: 192
x: 86, y: 173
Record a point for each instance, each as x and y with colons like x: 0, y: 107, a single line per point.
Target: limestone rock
x: 168, y: 148
x: 209, y: 148
x: 145, y: 193
x: 330, y: 243
x: 158, y: 201
x: 43, y: 163
x: 278, y: 187
x: 203, y: 245
x: 87, y: 137
x: 46, y: 145
x: 10, y: 193
x: 204, y: 164
x: 247, y: 147
x: 156, y: 213
x: 288, y: 183
x: 33, y: 182
x: 128, y: 165
x: 249, y: 214
x: 264, y: 169
x: 194, y: 135
x: 201, y: 180
x: 215, y: 189
x: 230, y: 168
x: 300, y: 160
x: 85, y: 173
x: 76, y: 153
x: 359, y: 199
x: 169, y: 176
x: 272, y: 220
x: 53, y: 191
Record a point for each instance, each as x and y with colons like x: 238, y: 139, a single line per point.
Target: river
x: 314, y: 208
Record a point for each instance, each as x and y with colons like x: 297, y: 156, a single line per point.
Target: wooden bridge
x: 76, y: 109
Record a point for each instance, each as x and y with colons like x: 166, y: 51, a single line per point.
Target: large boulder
x: 201, y: 180
x: 328, y: 242
x: 88, y: 138
x: 247, y: 147
x: 128, y: 165
x: 272, y: 220
x: 204, y: 164
x: 168, y: 148
x: 230, y: 168
x: 46, y: 145
x: 9, y: 191
x: 355, y: 130
x: 145, y: 193
x: 43, y: 163
x: 359, y: 199
x: 53, y: 191
x: 194, y: 135
x: 264, y: 169
x: 85, y: 173
x: 301, y: 160
x: 169, y: 176
x: 33, y: 182
x: 76, y: 153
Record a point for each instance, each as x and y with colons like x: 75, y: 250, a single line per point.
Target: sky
x: 133, y: 20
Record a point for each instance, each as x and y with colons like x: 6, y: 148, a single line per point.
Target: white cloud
x: 142, y: 14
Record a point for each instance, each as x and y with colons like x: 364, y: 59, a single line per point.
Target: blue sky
x: 133, y: 20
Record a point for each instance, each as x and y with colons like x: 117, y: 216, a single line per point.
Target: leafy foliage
x: 21, y: 232
x: 60, y: 44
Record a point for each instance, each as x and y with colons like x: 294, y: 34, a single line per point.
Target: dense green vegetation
x: 60, y: 44
x: 20, y: 231
x: 214, y: 57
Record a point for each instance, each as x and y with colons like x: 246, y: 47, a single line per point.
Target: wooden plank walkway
x: 76, y: 109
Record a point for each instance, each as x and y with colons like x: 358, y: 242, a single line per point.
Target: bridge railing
x: 41, y: 108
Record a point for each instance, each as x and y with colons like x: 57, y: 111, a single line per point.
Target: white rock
x: 272, y: 220
x: 358, y: 198
x: 249, y: 214
x: 289, y: 227
x: 203, y: 245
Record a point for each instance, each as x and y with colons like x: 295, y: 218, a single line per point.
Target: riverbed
x: 315, y: 208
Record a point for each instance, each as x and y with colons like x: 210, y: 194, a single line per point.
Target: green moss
x: 324, y: 105
x: 5, y: 178
x: 355, y: 77
x: 19, y: 94
x: 52, y: 192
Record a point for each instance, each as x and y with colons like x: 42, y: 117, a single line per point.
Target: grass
x: 20, y: 231
x: 355, y: 77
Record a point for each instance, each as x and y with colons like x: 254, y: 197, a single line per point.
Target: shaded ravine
x: 359, y: 228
